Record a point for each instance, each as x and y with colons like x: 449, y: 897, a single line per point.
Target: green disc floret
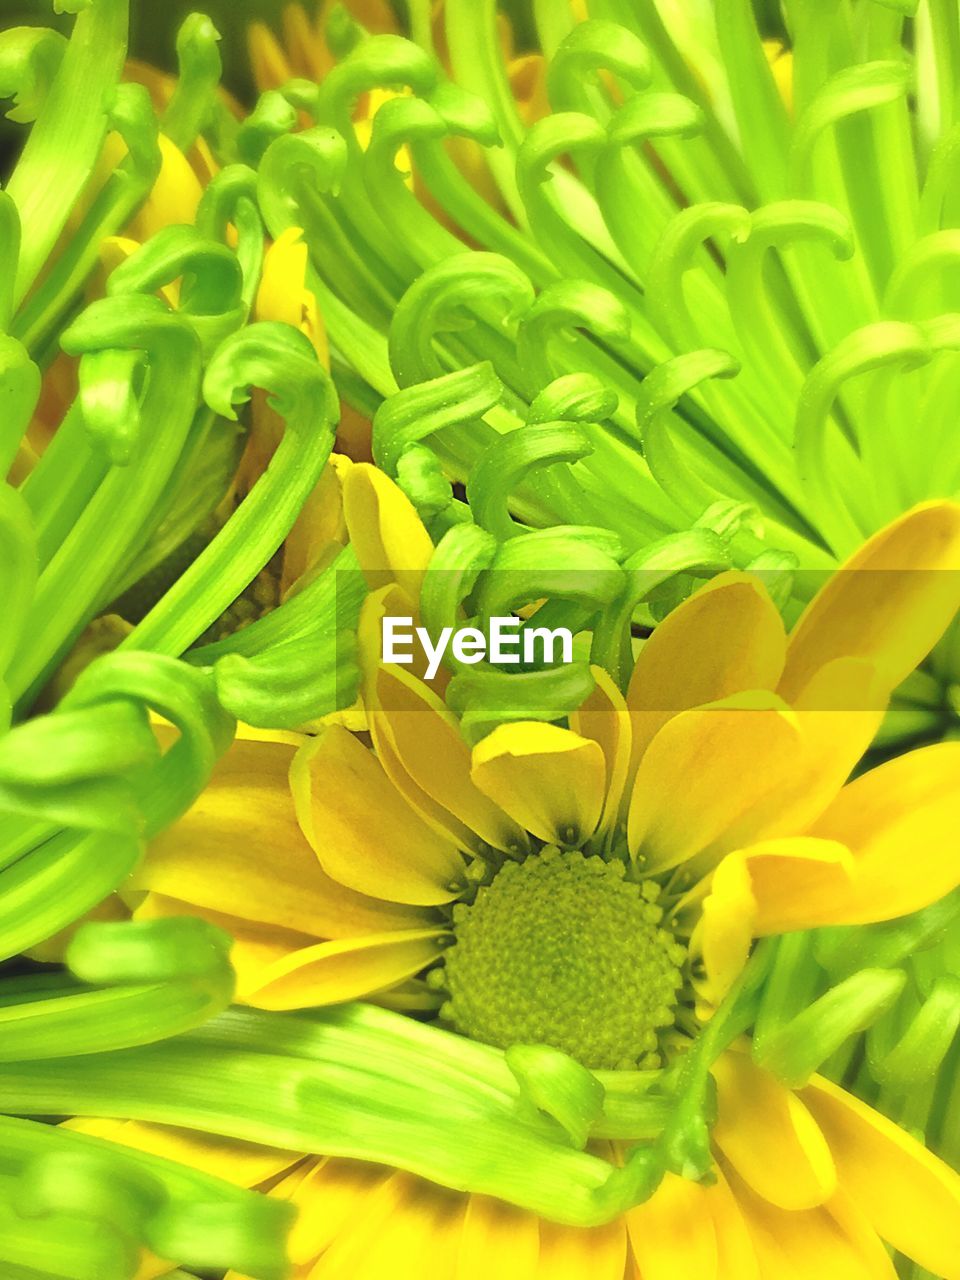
x: 563, y: 949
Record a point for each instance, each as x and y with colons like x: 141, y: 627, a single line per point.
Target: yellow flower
x: 720, y: 777
x: 598, y: 887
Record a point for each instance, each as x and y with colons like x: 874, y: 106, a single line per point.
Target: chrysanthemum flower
x: 722, y: 267
x: 597, y: 887
x: 660, y: 831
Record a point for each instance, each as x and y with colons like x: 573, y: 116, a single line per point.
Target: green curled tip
x: 593, y: 46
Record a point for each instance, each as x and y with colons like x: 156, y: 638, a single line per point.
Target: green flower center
x: 562, y: 949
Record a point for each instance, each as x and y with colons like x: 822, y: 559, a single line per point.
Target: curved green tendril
x: 282, y: 361
x: 212, y: 280
x: 66, y: 138
x: 563, y: 563
x: 80, y: 571
x: 230, y: 199
x: 417, y: 412
x: 129, y: 984
x: 193, y: 99
x: 859, y: 88
x: 74, y: 820
x: 483, y: 699
x: 700, y: 552
x: 458, y: 559
x: 292, y: 682
x: 870, y: 348
x: 84, y: 1205
x: 595, y: 46
x: 30, y: 58
x: 507, y: 461
x: 561, y: 307
x: 19, y: 393
x: 132, y: 117
x: 450, y: 297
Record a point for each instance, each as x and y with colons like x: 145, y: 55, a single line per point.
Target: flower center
x: 561, y: 949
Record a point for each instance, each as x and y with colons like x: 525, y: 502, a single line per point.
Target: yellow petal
x: 245, y: 1164
x: 856, y: 1226
x: 910, y: 804
x: 736, y: 1256
x: 283, y: 294
x: 724, y: 933
x: 331, y: 972
x: 604, y: 718
x: 331, y: 1196
x: 319, y: 532
x: 814, y: 1243
x: 795, y: 882
x: 363, y: 833
x: 767, y: 1134
x: 528, y: 83
x: 428, y: 745
x: 174, y: 197
x: 839, y: 712
x: 267, y: 60
x: 280, y: 295
x: 725, y: 639
x: 304, y: 45
x: 889, y: 603
x: 722, y: 777
x: 710, y: 781
x: 240, y: 851
x: 570, y: 1253
x: 436, y: 817
x: 911, y: 1198
x: 392, y: 601
x: 388, y: 536
x: 673, y: 1235
x: 549, y: 780
x: 780, y: 59
x: 254, y: 947
x: 151, y: 1267
x: 499, y: 1241
x: 409, y: 1231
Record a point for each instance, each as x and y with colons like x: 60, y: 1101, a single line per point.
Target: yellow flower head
x: 597, y: 886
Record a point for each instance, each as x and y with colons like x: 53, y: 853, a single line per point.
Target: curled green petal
x: 135, y: 983
x: 447, y: 298
x: 66, y: 138
x: 509, y: 460
x: 30, y: 58
x: 590, y: 47
x: 417, y: 412
x: 459, y: 558
x: 282, y: 361
x: 81, y: 1202
x: 562, y: 307
x: 193, y: 98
